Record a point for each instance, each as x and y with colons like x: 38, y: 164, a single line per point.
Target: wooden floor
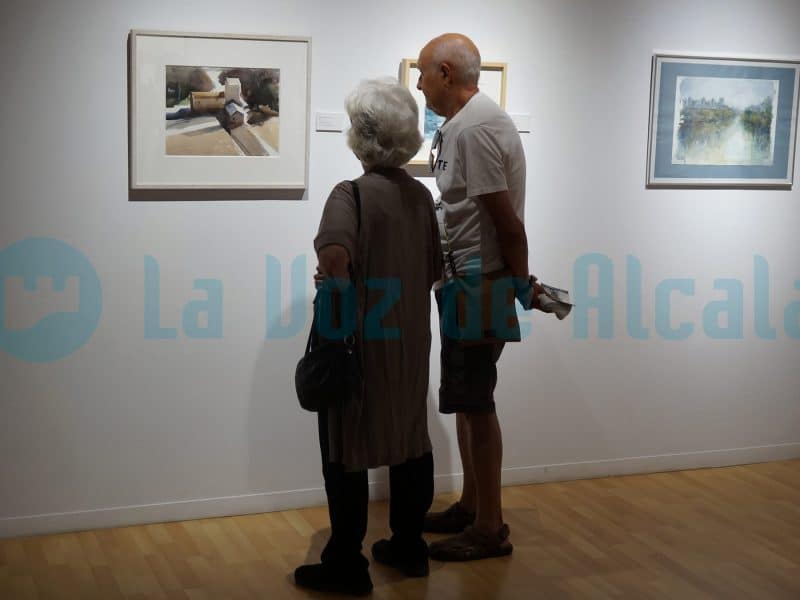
x: 713, y: 533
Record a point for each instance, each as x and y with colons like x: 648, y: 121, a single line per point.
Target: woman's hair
x: 384, y: 123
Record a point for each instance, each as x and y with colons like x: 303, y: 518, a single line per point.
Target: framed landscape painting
x: 492, y: 83
x: 722, y: 122
x: 211, y: 111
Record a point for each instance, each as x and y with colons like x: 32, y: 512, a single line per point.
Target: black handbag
x: 329, y: 373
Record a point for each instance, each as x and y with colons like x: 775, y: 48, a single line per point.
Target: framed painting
x: 492, y: 83
x: 213, y: 111
x: 722, y: 122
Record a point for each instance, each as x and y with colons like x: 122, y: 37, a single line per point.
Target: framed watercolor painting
x: 722, y: 122
x: 213, y: 111
x: 492, y: 83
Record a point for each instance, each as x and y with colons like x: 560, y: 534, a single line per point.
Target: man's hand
x: 528, y: 295
x: 527, y: 292
x: 319, y: 278
x: 537, y: 289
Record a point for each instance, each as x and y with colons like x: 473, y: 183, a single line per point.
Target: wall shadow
x: 207, y: 195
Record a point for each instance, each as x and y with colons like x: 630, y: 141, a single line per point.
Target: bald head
x: 460, y: 53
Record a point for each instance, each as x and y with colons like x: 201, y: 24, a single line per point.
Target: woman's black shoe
x: 325, y: 577
x: 409, y: 565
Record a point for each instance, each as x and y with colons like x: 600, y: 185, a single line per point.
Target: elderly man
x: 479, y: 165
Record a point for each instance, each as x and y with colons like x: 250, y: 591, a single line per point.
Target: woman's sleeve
x: 339, y: 224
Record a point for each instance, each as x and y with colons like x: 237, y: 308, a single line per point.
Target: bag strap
x: 357, y: 198
x: 351, y: 268
x: 311, y: 333
x: 449, y: 252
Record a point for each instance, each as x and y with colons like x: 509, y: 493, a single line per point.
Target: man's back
x: 480, y: 153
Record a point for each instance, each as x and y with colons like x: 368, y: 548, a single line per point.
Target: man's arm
x: 510, y: 232
x: 513, y: 242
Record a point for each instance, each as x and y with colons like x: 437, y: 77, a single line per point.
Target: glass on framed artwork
x: 722, y: 121
x: 432, y: 124
x: 222, y: 111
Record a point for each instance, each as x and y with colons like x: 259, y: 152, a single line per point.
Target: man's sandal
x: 472, y: 544
x: 453, y: 520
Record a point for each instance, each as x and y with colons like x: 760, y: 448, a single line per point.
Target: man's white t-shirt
x: 480, y: 152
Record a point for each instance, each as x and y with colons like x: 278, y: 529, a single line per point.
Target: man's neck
x: 460, y: 101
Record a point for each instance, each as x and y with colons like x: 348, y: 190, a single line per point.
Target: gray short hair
x: 384, y: 119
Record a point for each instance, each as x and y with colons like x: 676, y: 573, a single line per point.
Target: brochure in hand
x: 554, y: 300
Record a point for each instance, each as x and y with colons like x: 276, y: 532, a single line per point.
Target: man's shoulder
x: 484, y: 110
x: 488, y: 131
x: 487, y: 118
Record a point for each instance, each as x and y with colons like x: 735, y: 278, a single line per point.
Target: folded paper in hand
x: 554, y: 300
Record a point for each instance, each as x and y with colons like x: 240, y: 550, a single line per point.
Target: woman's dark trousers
x: 411, y: 495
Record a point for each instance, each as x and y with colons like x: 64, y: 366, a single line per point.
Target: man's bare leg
x: 486, y: 453
x: 468, y: 501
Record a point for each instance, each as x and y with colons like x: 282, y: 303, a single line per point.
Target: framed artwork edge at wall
x: 722, y: 121
x: 406, y: 66
x: 218, y: 111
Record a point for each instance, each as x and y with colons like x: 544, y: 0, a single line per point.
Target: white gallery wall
x: 128, y: 429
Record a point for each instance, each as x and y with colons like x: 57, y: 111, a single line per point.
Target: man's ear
x: 447, y: 72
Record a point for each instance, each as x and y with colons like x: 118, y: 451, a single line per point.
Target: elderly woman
x: 395, y: 258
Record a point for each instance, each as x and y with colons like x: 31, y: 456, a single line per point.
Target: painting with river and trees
x: 722, y: 122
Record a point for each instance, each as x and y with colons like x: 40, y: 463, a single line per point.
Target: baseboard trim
x: 185, y: 510
x: 637, y: 465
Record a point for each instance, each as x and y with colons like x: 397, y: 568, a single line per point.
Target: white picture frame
x: 212, y: 152
x: 713, y: 125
